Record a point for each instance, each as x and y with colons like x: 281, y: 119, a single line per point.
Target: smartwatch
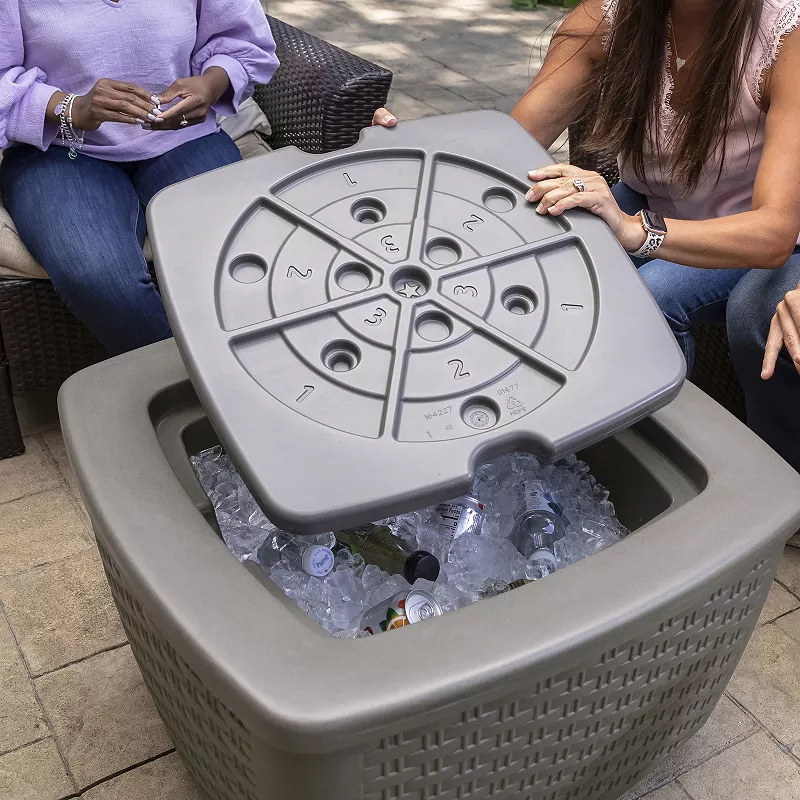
x: 656, y: 229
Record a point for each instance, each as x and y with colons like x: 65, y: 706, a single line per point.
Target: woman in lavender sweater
x: 142, y: 81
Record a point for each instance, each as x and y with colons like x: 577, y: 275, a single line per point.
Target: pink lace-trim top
x: 734, y: 192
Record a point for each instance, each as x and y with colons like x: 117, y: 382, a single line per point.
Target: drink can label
x: 462, y: 515
x: 405, y: 608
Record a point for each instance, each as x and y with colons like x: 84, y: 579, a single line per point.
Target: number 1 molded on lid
x: 363, y: 328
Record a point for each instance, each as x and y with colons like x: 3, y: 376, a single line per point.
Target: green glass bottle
x: 377, y: 545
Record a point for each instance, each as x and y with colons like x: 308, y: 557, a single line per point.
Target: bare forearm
x: 753, y: 240
x: 543, y: 118
x: 218, y: 80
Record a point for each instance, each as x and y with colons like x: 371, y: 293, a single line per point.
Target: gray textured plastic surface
x: 363, y: 327
x: 573, y: 688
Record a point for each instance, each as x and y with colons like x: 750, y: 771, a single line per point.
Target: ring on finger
x: 184, y: 121
x: 579, y: 184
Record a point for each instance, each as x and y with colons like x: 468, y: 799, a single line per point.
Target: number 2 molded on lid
x: 364, y: 327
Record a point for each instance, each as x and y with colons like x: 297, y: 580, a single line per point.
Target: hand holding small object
x: 113, y: 101
x: 195, y: 98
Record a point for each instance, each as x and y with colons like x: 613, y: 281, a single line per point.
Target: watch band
x: 651, y: 243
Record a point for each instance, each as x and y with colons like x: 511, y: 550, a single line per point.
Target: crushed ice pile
x: 473, y: 567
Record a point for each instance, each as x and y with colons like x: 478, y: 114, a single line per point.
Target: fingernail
x: 140, y: 121
x: 389, y: 119
x: 529, y: 195
x: 533, y: 172
x: 158, y: 119
x: 152, y: 117
x: 156, y: 100
x: 157, y: 110
x: 540, y: 208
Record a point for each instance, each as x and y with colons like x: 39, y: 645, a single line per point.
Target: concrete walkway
x: 446, y: 55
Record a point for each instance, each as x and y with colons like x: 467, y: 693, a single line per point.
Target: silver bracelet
x: 70, y: 137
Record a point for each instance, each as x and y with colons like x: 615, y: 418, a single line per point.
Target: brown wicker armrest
x: 321, y: 96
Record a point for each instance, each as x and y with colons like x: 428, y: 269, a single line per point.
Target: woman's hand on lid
x: 113, y: 101
x: 384, y: 118
x: 560, y: 187
x: 784, y: 331
x: 195, y: 97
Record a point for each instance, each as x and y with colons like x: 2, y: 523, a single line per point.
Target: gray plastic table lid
x: 365, y: 327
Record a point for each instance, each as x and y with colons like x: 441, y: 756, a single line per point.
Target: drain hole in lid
x: 368, y: 211
x: 341, y: 356
x: 480, y: 413
x: 519, y: 300
x: 499, y: 199
x: 248, y: 268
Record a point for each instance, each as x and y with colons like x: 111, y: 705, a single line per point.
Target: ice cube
x: 242, y: 540
x: 345, y: 580
x: 450, y: 598
x: 483, y: 556
x: 291, y: 582
x: 386, y: 589
x: 372, y: 576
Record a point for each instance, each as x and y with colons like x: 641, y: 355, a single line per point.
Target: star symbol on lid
x: 409, y: 289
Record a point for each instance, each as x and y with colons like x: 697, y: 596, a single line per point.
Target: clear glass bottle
x: 313, y: 559
x: 379, y: 546
x: 538, y: 524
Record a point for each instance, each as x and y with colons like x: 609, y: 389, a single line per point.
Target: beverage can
x: 405, y: 608
x: 462, y: 515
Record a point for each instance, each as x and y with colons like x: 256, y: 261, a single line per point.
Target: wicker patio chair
x: 319, y: 100
x: 714, y: 372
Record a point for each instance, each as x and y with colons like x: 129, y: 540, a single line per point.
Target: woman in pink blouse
x: 700, y: 99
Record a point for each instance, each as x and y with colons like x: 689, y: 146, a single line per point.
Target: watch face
x: 654, y: 222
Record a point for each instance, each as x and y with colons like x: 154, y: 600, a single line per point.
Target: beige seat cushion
x: 247, y: 128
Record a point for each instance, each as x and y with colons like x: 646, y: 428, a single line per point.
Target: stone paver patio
x: 75, y: 718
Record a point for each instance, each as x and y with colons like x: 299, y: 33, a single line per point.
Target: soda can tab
x: 421, y: 605
x: 405, y: 608
x: 462, y: 515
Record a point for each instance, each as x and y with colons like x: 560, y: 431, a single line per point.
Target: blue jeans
x: 84, y: 222
x: 745, y: 301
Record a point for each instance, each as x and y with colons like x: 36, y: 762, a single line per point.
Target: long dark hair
x: 627, y: 87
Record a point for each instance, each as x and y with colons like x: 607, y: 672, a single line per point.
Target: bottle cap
x: 317, y: 560
x: 421, y: 564
x: 544, y: 556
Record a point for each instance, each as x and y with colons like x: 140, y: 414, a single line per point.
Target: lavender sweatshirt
x: 68, y: 45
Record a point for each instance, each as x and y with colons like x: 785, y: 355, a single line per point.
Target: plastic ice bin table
x: 572, y: 688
